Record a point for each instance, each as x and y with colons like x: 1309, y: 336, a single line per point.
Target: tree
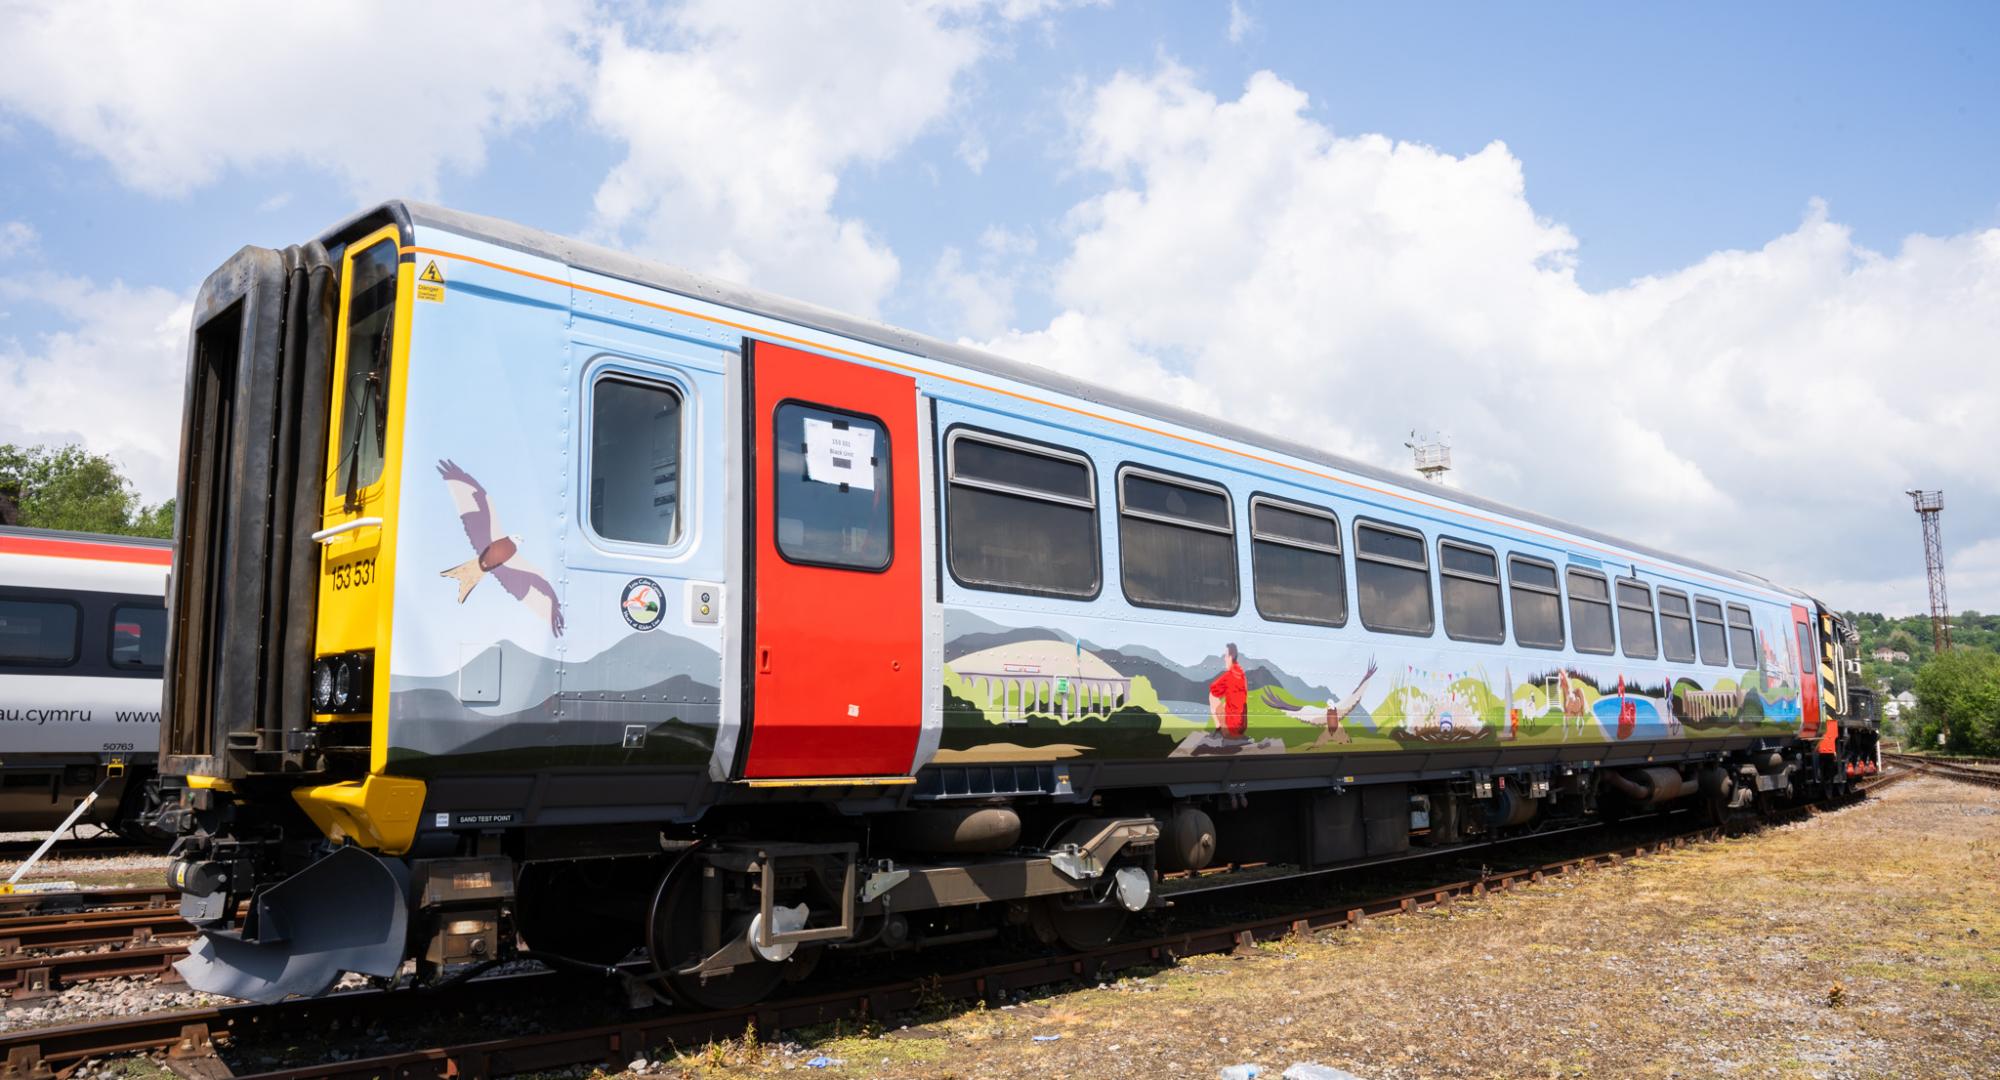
x: 1958, y: 693
x: 67, y: 487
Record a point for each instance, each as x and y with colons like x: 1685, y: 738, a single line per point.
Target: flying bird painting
x: 1328, y: 717
x: 495, y: 555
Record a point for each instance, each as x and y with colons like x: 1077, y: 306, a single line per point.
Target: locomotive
x: 533, y: 597
x: 83, y: 638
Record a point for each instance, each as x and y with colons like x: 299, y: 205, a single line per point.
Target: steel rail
x: 1946, y: 768
x: 42, y: 904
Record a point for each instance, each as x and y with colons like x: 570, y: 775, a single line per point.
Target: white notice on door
x: 840, y: 455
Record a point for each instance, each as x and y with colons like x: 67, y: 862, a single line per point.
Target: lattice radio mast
x: 1433, y: 456
x: 1929, y: 504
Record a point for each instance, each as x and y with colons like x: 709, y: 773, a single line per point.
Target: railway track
x: 1965, y: 770
x: 199, y: 1033
x: 49, y: 941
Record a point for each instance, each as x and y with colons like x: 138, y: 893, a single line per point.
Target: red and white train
x: 83, y: 629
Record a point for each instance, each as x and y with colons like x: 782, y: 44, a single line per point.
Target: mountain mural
x: 966, y: 633
x: 526, y: 705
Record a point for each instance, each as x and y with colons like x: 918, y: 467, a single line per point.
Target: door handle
x: 325, y: 535
x: 763, y: 661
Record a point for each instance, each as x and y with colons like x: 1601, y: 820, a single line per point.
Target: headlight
x: 343, y: 683
x: 322, y: 686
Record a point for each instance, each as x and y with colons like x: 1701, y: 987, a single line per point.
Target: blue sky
x: 981, y: 166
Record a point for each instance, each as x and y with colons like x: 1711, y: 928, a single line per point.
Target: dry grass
x: 1863, y: 943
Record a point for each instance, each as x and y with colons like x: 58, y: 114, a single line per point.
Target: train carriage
x: 528, y: 589
x: 83, y: 631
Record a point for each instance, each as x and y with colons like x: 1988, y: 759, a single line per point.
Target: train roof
x: 62, y: 561
x: 84, y: 537
x: 639, y: 271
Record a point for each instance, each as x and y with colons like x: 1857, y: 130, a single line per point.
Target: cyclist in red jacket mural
x: 1229, y: 696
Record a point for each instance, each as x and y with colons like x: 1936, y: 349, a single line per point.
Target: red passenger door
x: 837, y: 593
x: 1808, y: 673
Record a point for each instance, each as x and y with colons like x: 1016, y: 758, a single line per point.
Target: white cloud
x: 1760, y: 408
x: 384, y: 95
x: 979, y: 300
x: 973, y: 151
x: 112, y: 381
x: 17, y: 238
x: 976, y: 296
x: 738, y: 121
x: 1002, y: 243
x: 1240, y: 22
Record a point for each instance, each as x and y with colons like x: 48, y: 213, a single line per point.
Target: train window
x: 832, y: 488
x: 138, y: 637
x: 1676, y: 627
x: 1590, y: 611
x: 1537, y: 600
x: 38, y: 632
x: 1469, y: 588
x: 1709, y: 632
x: 1020, y: 517
x: 1392, y: 579
x: 1177, y: 543
x: 364, y: 395
x: 635, y: 461
x: 1295, y: 563
x: 1636, y: 633
x: 1742, y: 637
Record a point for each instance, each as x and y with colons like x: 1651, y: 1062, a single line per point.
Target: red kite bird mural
x: 493, y: 554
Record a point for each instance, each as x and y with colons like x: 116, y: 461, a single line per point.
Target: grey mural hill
x: 663, y: 685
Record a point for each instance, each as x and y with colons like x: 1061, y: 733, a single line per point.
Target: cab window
x: 364, y: 402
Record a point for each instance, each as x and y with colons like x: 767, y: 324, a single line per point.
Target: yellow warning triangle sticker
x: 432, y: 273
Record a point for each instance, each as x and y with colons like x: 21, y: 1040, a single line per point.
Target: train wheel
x: 674, y: 939
x: 1079, y: 927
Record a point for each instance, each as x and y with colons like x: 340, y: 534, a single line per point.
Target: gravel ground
x: 1858, y: 944
x: 92, y: 871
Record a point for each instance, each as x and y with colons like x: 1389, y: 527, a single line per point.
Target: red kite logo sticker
x: 643, y: 604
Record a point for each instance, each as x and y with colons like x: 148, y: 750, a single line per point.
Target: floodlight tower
x: 1929, y: 504
x: 1433, y: 455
